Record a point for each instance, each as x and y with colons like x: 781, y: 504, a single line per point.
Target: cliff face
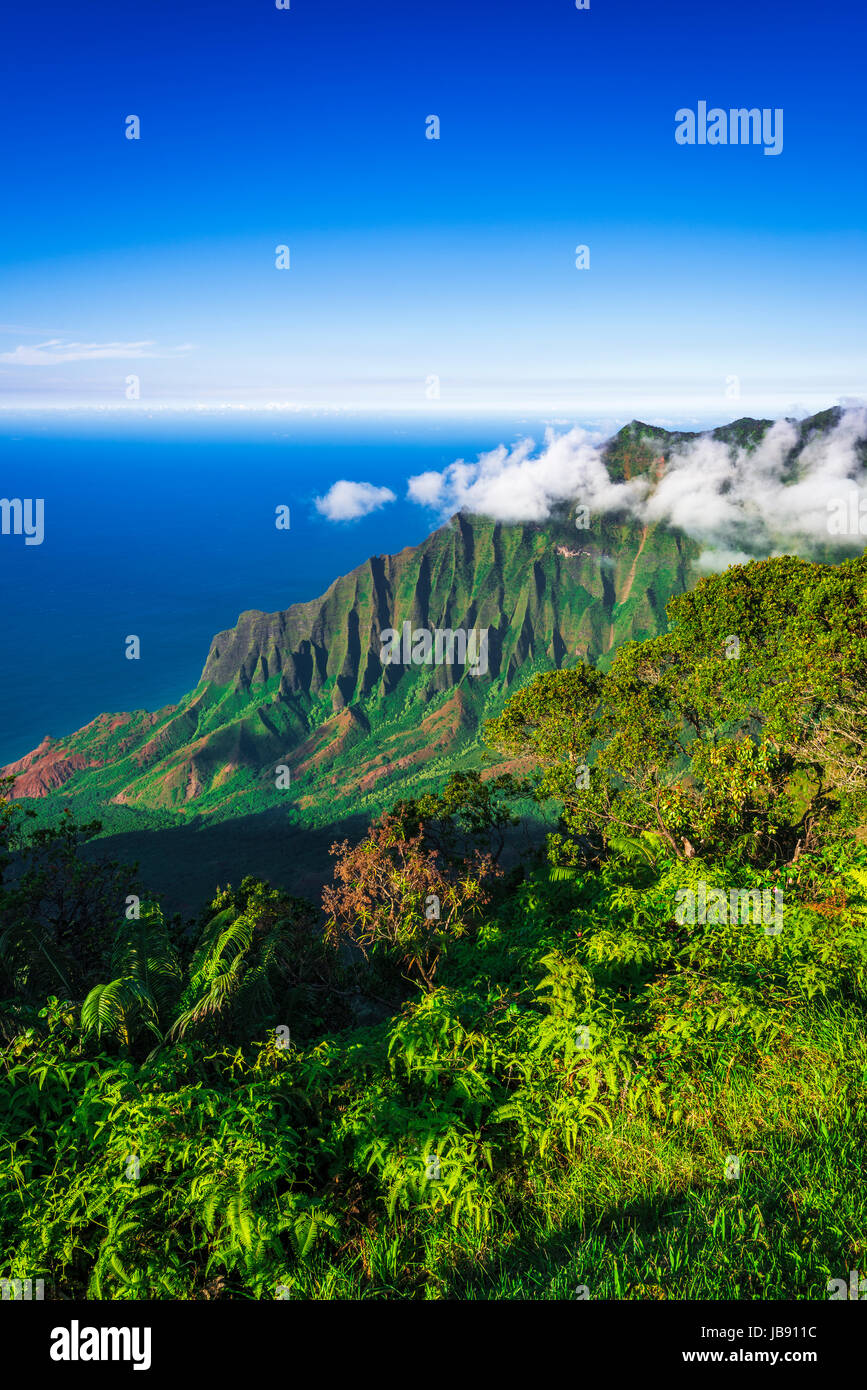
x: 308, y: 688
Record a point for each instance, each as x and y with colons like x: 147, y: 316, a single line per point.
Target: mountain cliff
x: 307, y: 689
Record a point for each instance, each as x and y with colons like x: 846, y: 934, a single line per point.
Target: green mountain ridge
x: 306, y: 689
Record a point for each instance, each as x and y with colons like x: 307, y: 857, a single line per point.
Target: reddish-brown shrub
x: 391, y: 893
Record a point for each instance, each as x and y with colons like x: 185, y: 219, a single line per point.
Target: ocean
x: 164, y: 527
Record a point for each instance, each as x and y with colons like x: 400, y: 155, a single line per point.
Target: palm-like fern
x: 119, y: 1009
x: 147, y: 979
x: 247, y: 950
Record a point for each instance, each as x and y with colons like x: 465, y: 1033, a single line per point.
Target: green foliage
x: 56, y: 911
x: 258, y: 948
x: 741, y: 731
x: 470, y: 811
x: 147, y: 979
x: 580, y: 1011
x: 549, y: 1094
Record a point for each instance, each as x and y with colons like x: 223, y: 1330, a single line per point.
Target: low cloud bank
x: 734, y: 500
x: 514, y: 485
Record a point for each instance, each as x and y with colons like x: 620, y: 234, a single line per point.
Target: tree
x: 58, y: 910
x: 470, y: 811
x: 742, y: 730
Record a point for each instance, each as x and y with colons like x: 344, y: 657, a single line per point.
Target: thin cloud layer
x: 734, y: 500
x: 346, y: 501
x: 55, y: 350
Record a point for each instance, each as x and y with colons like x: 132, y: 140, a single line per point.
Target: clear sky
x: 722, y: 281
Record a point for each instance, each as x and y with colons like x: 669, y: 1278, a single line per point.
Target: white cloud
x: 731, y: 498
x: 715, y: 561
x: 55, y: 350
x: 744, y: 498
x: 512, y: 485
x: 346, y: 501
x: 427, y: 489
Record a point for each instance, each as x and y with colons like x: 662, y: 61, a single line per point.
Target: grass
x: 645, y: 1211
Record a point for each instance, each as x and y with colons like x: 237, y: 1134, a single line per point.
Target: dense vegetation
x: 474, y: 1073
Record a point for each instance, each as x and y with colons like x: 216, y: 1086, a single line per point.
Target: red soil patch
x: 45, y: 769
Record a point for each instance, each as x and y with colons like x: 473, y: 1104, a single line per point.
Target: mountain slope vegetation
x: 461, y: 1080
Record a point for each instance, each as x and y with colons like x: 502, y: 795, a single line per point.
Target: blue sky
x: 721, y: 281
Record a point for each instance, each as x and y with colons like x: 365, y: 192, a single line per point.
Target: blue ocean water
x: 164, y: 528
